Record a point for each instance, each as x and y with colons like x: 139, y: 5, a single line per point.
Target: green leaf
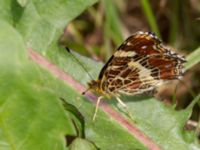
x: 77, y: 118
x: 81, y: 144
x: 32, y: 116
x: 22, y: 3
x: 42, y: 22
x: 112, y: 23
x: 26, y: 118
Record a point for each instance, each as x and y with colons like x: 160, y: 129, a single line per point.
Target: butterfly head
x: 95, y: 85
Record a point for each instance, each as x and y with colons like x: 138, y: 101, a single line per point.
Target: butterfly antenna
x: 84, y: 68
x: 83, y: 93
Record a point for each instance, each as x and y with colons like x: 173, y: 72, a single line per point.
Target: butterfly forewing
x: 139, y: 65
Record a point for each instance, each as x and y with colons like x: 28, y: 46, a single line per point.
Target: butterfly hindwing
x: 140, y: 64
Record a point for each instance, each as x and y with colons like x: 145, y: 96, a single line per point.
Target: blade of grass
x: 193, y: 59
x: 174, y: 22
x: 150, y: 17
x: 186, y: 21
x: 112, y: 23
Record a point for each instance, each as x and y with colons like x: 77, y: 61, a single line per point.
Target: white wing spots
x: 144, y: 74
x: 151, y: 34
x: 168, y: 66
x: 182, y: 58
x: 144, y: 47
x: 121, y: 53
x: 172, y: 53
x: 180, y: 77
x: 140, y: 32
x: 154, y: 47
x: 129, y: 43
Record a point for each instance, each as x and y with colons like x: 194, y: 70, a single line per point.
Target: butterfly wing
x: 140, y: 64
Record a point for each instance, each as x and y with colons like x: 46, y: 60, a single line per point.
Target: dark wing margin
x: 104, y: 67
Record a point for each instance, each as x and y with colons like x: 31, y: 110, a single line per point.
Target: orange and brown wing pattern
x: 140, y: 64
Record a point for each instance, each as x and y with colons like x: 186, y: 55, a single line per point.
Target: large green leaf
x: 31, y: 116
x: 32, y: 85
x: 41, y: 22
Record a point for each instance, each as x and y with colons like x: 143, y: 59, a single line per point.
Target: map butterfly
x: 140, y: 65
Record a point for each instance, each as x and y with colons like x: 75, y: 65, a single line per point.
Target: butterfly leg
x: 125, y: 107
x: 97, y: 107
x: 120, y: 102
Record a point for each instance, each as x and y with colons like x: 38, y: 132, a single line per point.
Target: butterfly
x: 140, y: 65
